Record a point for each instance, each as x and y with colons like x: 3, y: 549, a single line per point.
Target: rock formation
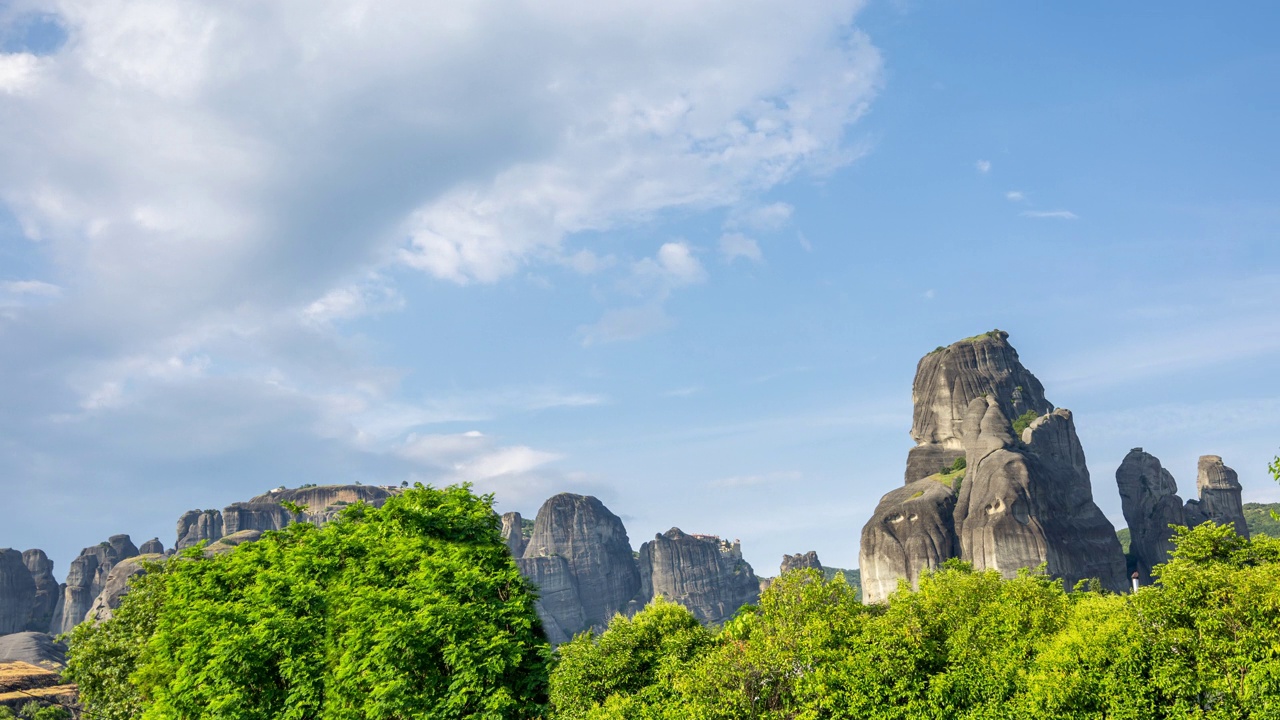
x: 152, y: 547
x: 559, y: 605
x: 1018, y: 502
x: 267, y: 512
x: 116, y: 585
x: 513, y: 533
x: 1219, y: 489
x: 702, y: 573
x: 47, y: 589
x: 86, y: 578
x: 196, y: 526
x: 1151, y: 505
x: 948, y: 379
x: 17, y: 592
x: 35, y: 648
x: 594, y: 543
x: 799, y: 562
x: 1149, y: 498
x: 912, y: 530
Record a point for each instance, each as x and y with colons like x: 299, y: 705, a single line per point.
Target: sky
x: 680, y: 256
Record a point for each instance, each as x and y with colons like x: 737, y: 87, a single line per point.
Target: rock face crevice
x: 1018, y: 502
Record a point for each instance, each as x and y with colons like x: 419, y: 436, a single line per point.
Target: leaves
x: 414, y: 609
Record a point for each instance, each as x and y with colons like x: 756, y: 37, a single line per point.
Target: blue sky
x: 681, y: 256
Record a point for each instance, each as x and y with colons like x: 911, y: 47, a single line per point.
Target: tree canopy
x: 414, y: 609
x: 1199, y: 643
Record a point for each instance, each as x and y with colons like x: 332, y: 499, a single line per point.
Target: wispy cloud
x: 737, y: 245
x: 983, y: 166
x: 1015, y: 196
x: 684, y: 391
x: 765, y: 479
x: 1051, y: 214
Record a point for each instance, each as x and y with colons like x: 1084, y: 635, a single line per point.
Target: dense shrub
x: 414, y: 609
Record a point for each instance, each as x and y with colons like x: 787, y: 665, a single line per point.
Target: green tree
x: 414, y: 609
x: 1274, y: 467
x: 631, y: 664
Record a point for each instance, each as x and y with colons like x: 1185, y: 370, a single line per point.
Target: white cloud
x: 629, y: 323
x: 737, y: 245
x: 930, y: 294
x: 983, y: 166
x: 31, y: 287
x: 762, y: 218
x: 1015, y: 196
x: 765, y: 479
x: 1051, y: 214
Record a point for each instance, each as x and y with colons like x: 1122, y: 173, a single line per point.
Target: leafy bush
x: 414, y: 609
x: 1200, y: 642
x: 1023, y: 421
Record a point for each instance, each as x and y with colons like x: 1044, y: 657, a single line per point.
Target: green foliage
x: 1261, y: 518
x: 414, y: 609
x: 634, y: 662
x: 1125, y: 540
x: 1023, y: 421
x: 1199, y: 643
x: 36, y: 710
x: 1274, y: 468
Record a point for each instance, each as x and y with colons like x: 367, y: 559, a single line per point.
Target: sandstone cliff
x: 1015, y: 502
x: 948, y: 379
x: 1151, y: 504
x: 267, y: 512
x: 86, y: 578
x: 799, y: 562
x: 1149, y: 498
x: 702, y: 573
x: 594, y: 543
x: 513, y: 533
x: 17, y: 592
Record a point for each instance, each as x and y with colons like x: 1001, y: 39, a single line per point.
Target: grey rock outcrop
x: 47, y: 589
x: 152, y: 547
x: 911, y: 530
x: 116, y: 585
x: 1017, y: 503
x: 35, y: 648
x: 559, y: 605
x: 513, y: 533
x: 799, y: 562
x: 196, y: 526
x: 227, y: 543
x: 17, y: 592
x: 594, y: 543
x: 1029, y: 502
x: 702, y: 573
x: 267, y: 512
x: 1149, y: 499
x: 1219, y: 489
x: 86, y: 578
x: 948, y: 379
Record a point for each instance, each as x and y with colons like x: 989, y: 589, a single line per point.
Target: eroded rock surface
x: 35, y: 648
x: 948, y: 379
x: 85, y: 579
x: 1219, y: 488
x: 513, y: 533
x: 47, y: 589
x: 702, y: 573
x: 116, y: 585
x: 911, y: 530
x: 1017, y: 503
x: 594, y: 542
x: 559, y: 606
x: 1149, y: 498
x: 17, y: 592
x: 152, y: 547
x: 799, y: 562
x: 196, y: 526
